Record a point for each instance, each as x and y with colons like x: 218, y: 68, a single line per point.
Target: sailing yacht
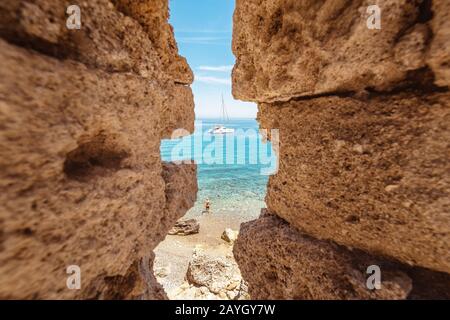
x: 220, y: 128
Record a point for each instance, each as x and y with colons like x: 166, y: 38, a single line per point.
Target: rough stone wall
x: 82, y: 115
x: 364, y: 147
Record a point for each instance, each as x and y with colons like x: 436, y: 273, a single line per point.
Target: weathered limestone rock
x: 82, y: 183
x: 185, y: 228
x: 371, y: 174
x: 153, y: 15
x: 229, y: 235
x: 439, y: 57
x: 297, y: 266
x: 296, y: 48
x: 218, y: 274
x: 364, y: 154
x: 110, y: 40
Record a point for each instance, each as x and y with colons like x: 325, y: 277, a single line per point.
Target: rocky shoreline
x: 196, y: 260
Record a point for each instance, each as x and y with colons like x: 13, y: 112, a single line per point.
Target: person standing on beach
x: 207, y: 206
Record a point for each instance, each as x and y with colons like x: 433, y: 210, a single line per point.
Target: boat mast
x: 224, y: 111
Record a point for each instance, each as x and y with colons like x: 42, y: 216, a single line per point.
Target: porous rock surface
x: 83, y: 113
x: 279, y: 262
x: 220, y: 275
x: 295, y: 48
x: 229, y: 235
x: 286, y: 264
x: 363, y: 155
x: 369, y: 173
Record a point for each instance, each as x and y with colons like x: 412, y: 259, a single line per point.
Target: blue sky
x: 203, y: 30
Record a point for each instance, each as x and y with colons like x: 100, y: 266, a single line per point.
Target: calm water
x: 232, y: 169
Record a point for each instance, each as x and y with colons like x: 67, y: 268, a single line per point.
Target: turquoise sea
x: 233, y: 169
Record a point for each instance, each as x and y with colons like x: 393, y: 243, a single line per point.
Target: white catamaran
x: 220, y: 128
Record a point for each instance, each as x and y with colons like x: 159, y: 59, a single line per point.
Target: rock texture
x: 298, y: 266
x: 281, y: 263
x: 229, y: 235
x: 297, y: 48
x: 83, y: 113
x: 377, y: 168
x: 438, y: 56
x: 185, y: 228
x: 220, y: 276
x: 364, y: 155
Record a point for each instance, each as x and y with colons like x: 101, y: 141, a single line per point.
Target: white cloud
x: 216, y: 68
x: 213, y: 80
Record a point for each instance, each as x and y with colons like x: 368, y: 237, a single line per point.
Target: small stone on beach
x: 185, y: 228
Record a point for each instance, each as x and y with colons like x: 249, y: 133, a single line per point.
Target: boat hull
x: 221, y: 131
